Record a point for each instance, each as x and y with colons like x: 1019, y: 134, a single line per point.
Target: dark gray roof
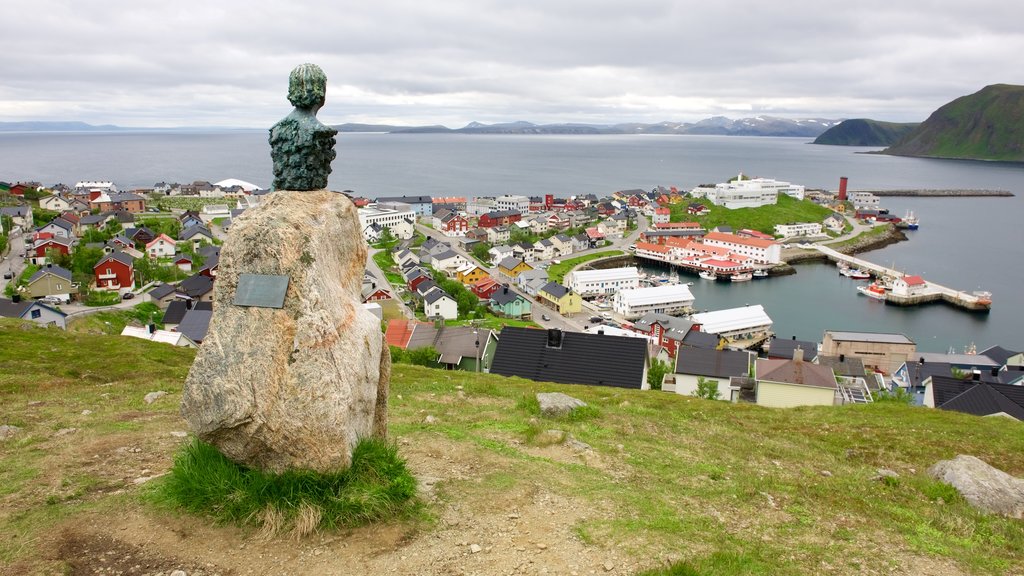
x: 195, y: 324
x: 783, y: 348
x: 453, y: 342
x: 407, y: 199
x: 849, y: 366
x: 12, y: 309
x: 193, y: 230
x: 15, y: 211
x: 51, y: 269
x: 504, y: 296
x: 714, y: 363
x: 444, y: 255
x: 209, y: 250
x: 175, y: 312
x: 698, y: 339
x: 426, y: 286
x: 195, y: 286
x: 978, y: 398
x: 510, y: 262
x: 161, y: 290
x: 676, y: 327
x: 94, y: 219
x: 503, y: 213
x: 555, y: 289
x: 571, y: 357
x: 998, y: 354
x: 119, y: 256
x: 435, y: 295
x: 60, y: 223
x: 124, y: 197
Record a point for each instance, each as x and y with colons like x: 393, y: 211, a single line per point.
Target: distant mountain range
x: 986, y: 125
x: 864, y: 132
x: 53, y: 127
x: 718, y: 125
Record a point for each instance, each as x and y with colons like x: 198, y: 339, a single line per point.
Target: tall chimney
x: 798, y: 354
x: 976, y: 375
x: 842, y: 188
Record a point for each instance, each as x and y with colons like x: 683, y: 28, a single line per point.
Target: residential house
x: 509, y: 304
x: 31, y: 310
x: 782, y: 349
x: 835, y: 222
x: 563, y: 245
x: 561, y: 298
x: 405, y: 256
x: 108, y: 202
x: 52, y: 281
x: 375, y: 294
x: 96, y: 221
x: 450, y: 223
x: 163, y: 246
x: 470, y: 274
x: 139, y: 236
x: 795, y: 382
x: 115, y: 271
x: 512, y: 267
x: 162, y: 295
x: 499, y: 218
x: 543, y: 250
x: 528, y: 276
x: 477, y: 235
x: 572, y: 358
x: 666, y: 331
x: 58, y: 227
x: 198, y: 288
x: 425, y: 287
x: 182, y: 261
x: 176, y: 310
x: 190, y: 218
x: 163, y: 336
x: 421, y: 206
x: 414, y: 276
x: 437, y: 303
x: 20, y: 215
x: 37, y: 253
x: 485, y: 287
x: 211, y: 264
x: 558, y: 221
x: 448, y: 261
x: 458, y: 347
x: 715, y: 367
x: 55, y: 203
x: 196, y: 323
x: 499, y: 253
x: 524, y: 251
x: 661, y: 216
x: 197, y: 234
x: 697, y: 209
x: 973, y: 396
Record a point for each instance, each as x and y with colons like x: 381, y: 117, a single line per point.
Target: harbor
x: 903, y: 290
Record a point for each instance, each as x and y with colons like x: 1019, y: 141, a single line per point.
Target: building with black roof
x: 975, y: 397
x: 572, y: 357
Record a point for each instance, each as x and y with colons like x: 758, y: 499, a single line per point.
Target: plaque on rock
x: 261, y: 290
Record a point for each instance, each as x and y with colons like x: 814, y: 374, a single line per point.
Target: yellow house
x: 790, y: 383
x: 470, y: 274
x: 513, y: 267
x: 563, y: 299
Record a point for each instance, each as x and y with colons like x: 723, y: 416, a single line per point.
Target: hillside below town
x: 640, y: 481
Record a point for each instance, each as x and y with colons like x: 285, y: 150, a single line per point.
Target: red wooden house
x: 499, y: 218
x: 115, y: 271
x: 485, y: 287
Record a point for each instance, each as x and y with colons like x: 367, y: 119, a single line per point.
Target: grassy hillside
x: 710, y: 487
x: 762, y: 219
x: 864, y: 132
x: 986, y: 125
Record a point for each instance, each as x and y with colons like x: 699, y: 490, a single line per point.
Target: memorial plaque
x: 261, y: 290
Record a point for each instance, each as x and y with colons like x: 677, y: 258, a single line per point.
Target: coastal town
x: 584, y: 290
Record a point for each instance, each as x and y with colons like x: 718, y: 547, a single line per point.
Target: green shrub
x: 377, y: 486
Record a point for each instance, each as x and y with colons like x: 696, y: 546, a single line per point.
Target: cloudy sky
x: 411, y: 62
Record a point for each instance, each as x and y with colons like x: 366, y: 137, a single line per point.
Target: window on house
x: 36, y: 314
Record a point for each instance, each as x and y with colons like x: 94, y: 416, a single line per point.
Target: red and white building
x: 661, y: 216
x: 163, y: 246
x: 115, y: 271
x: 450, y: 223
x: 908, y: 285
x: 757, y: 249
x: 37, y: 253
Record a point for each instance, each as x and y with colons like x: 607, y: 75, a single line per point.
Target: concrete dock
x: 929, y: 292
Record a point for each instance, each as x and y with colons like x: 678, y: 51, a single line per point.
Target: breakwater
x: 932, y: 193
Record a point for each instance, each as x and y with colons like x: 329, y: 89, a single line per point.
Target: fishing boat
x: 760, y: 273
x: 873, y: 290
x: 910, y: 221
x: 855, y: 273
x: 742, y: 277
x: 707, y: 275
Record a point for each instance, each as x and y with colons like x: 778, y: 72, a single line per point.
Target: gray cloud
x: 225, y: 63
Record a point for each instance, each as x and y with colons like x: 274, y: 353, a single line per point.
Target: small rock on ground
x: 557, y: 404
x: 154, y: 396
x: 7, y: 431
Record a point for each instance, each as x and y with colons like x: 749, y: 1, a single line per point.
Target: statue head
x: 307, y: 87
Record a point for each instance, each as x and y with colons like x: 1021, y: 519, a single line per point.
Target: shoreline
x: 940, y: 193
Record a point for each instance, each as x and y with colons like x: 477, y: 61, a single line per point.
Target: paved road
x: 13, y: 262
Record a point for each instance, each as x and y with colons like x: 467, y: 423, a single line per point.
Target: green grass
x: 196, y: 204
x: 675, y: 485
x: 762, y: 219
x: 377, y: 486
x: 558, y: 271
x: 873, y: 232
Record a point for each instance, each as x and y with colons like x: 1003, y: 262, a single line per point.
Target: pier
x: 929, y: 292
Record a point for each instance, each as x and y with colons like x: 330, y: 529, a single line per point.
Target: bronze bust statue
x: 301, y: 147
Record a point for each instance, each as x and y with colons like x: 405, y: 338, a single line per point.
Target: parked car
x: 606, y: 316
x: 127, y: 296
x: 545, y: 317
x: 8, y: 275
x: 595, y: 318
x: 51, y: 300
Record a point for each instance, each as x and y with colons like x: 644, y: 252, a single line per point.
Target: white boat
x: 855, y: 273
x: 760, y: 273
x: 911, y: 221
x: 707, y: 275
x: 742, y: 277
x: 873, y: 290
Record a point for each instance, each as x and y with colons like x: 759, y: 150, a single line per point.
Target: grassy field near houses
x: 639, y: 481
x: 762, y: 219
x: 557, y: 272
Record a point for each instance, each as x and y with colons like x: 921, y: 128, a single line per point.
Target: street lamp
x: 477, y: 335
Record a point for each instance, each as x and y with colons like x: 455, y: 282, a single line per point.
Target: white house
x: 448, y: 261
x: 161, y: 247
x: 397, y: 217
x: 609, y: 281
x: 661, y: 216
x: 437, y: 303
x: 512, y: 202
x: 798, y: 229
x: 55, y: 202
x: 499, y: 253
x: 671, y: 299
x: 544, y: 249
x: 908, y: 285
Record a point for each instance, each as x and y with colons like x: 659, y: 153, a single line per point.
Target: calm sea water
x: 965, y: 243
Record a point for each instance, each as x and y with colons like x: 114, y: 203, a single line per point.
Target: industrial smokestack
x: 842, y: 188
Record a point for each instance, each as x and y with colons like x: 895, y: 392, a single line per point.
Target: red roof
x: 399, y: 332
x: 914, y: 280
x: 662, y: 211
x: 756, y: 234
x: 722, y: 263
x: 726, y: 237
x: 652, y: 247
x: 676, y: 225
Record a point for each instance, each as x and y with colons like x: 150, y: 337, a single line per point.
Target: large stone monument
x: 293, y: 370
